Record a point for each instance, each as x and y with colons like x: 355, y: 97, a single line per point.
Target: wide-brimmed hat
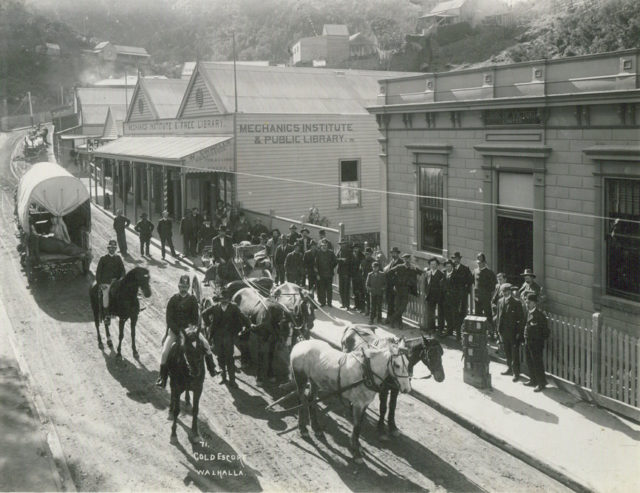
x: 528, y: 272
x: 456, y: 255
x: 395, y: 250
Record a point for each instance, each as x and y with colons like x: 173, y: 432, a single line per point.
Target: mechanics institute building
x: 535, y: 164
x: 263, y: 139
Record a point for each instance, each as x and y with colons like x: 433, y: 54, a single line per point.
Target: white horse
x: 355, y: 376
x: 299, y: 303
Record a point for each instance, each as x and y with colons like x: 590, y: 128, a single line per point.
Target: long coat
x: 432, y: 288
x: 218, y: 251
x: 510, y: 319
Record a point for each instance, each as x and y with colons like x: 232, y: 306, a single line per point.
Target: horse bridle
x: 427, y: 350
x: 370, y: 375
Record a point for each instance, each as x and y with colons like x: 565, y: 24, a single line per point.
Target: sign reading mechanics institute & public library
x: 298, y: 133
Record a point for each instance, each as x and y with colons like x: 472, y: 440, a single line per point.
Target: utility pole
x: 30, y: 107
x: 61, y: 96
x: 234, y: 188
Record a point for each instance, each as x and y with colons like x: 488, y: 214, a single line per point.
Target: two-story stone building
x: 535, y: 164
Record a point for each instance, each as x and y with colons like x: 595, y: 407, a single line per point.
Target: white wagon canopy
x: 51, y: 187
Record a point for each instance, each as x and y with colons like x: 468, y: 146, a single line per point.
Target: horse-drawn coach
x: 53, y: 219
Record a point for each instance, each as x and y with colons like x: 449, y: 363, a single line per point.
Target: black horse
x: 183, y: 379
x: 123, y: 303
x: 429, y: 351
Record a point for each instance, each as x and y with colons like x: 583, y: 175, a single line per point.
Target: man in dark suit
x: 222, y: 255
x: 536, y: 331
x: 449, y: 297
x: 485, y: 281
x: 325, y: 264
x: 189, y: 232
x: 120, y: 224
x: 322, y: 234
x: 165, y: 231
x: 509, y: 322
x: 345, y: 261
x: 432, y: 290
x: 306, y: 240
x: 294, y: 265
x: 390, y: 290
x: 462, y: 280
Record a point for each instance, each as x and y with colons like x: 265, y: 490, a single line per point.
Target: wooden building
x: 301, y: 137
x: 535, y: 164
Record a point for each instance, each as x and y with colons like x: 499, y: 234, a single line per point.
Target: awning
x: 207, y: 153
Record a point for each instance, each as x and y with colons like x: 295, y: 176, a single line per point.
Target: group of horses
x: 281, y: 321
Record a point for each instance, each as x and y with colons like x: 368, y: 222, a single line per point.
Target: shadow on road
x: 137, y: 380
x: 521, y: 407
x: 65, y: 299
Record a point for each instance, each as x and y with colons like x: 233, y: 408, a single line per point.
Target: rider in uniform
x: 110, y: 268
x: 182, y: 312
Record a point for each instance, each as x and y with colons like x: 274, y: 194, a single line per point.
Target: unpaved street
x: 111, y: 419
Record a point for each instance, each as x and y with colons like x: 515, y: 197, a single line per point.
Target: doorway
x: 515, y: 247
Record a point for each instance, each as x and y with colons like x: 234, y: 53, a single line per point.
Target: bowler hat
x: 293, y: 226
x: 144, y: 214
x: 528, y: 272
x: 113, y: 243
x: 184, y: 280
x: 304, y: 229
x: 368, y: 250
x: 532, y: 297
x: 434, y: 259
x: 447, y: 262
x: 395, y: 250
x: 375, y: 264
x: 456, y: 255
x: 222, y: 227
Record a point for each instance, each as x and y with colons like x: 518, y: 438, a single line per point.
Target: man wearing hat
x: 322, y: 234
x: 366, y: 266
x: 357, y: 281
x: 206, y: 234
x: 536, y: 331
x: 449, y: 297
x: 462, y: 281
x: 432, y: 290
x: 144, y: 227
x: 509, y: 323
x: 110, y: 267
x: 394, y: 261
x: 225, y: 321
x: 279, y: 257
x: 294, y: 265
x: 305, y: 239
x: 529, y: 286
x: 310, y: 272
x: 375, y: 285
x: 485, y: 282
x: 405, y: 281
x: 293, y: 233
x: 345, y: 261
x: 241, y: 230
x: 120, y: 224
x: 326, y: 262
x: 182, y: 312
x: 165, y: 232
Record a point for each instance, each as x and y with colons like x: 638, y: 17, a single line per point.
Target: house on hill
x: 332, y: 49
x: 471, y: 11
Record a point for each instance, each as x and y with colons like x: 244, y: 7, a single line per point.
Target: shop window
x: 431, y: 191
x: 350, y: 183
x: 622, y: 210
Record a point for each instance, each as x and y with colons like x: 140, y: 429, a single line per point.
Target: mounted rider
x: 110, y: 268
x: 182, y: 312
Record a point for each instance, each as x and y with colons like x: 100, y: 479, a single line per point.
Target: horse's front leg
x: 121, y: 323
x: 382, y: 396
x: 393, y: 400
x: 108, y: 332
x: 313, y: 412
x: 195, y: 436
x: 133, y: 321
x: 358, y: 418
x: 175, y: 406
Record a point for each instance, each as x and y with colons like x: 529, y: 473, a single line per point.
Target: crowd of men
x: 366, y: 279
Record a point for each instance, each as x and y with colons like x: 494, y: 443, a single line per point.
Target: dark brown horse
x: 123, y: 303
x: 183, y: 379
x: 429, y: 351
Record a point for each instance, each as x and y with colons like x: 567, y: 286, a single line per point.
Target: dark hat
x: 324, y: 241
x: 222, y: 227
x: 304, y: 229
x: 434, y: 259
x: 368, y: 250
x: 395, y: 250
x: 481, y: 257
x: 263, y: 236
x: 293, y: 226
x: 184, y: 280
x: 375, y: 264
x: 322, y: 232
x: 447, y: 262
x: 144, y: 214
x: 528, y: 272
x: 223, y: 295
x: 532, y: 297
x: 113, y: 243
x: 405, y: 255
x: 274, y: 230
x: 456, y: 255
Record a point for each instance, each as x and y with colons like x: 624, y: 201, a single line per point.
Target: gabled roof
x: 101, y: 45
x: 335, y: 30
x: 288, y: 90
x: 94, y: 102
x: 443, y: 7
x: 131, y: 50
x: 164, y: 96
x: 112, y: 127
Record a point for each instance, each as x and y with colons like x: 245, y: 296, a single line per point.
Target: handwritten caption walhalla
x: 298, y: 133
x: 218, y: 464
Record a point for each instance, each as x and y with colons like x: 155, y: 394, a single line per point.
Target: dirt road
x: 111, y: 419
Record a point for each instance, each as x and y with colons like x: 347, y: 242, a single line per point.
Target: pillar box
x: 475, y: 352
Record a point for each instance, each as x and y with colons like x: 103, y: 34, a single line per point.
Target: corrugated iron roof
x: 131, y: 50
x: 95, y: 101
x: 159, y: 148
x: 335, y: 30
x: 444, y: 6
x: 165, y: 95
x: 295, y: 89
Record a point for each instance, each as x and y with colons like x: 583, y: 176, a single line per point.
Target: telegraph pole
x: 30, y: 107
